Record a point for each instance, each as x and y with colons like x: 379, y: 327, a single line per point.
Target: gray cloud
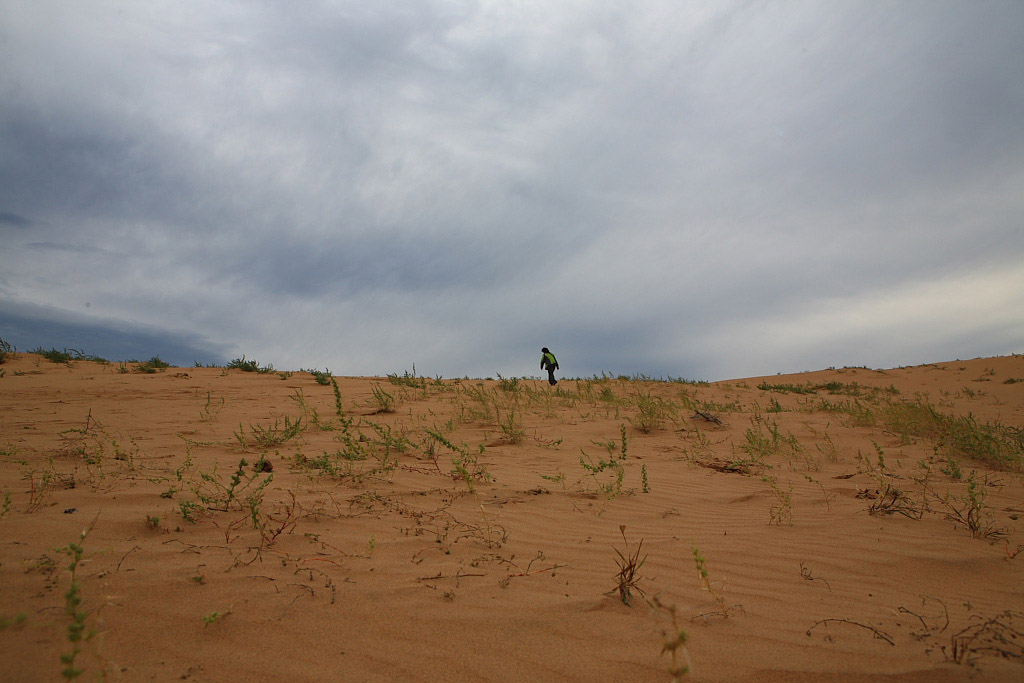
x: 29, y: 327
x: 455, y: 183
x: 14, y: 219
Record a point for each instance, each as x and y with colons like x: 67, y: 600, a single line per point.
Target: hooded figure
x: 549, y: 363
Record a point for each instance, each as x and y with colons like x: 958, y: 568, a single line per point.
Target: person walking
x: 549, y: 363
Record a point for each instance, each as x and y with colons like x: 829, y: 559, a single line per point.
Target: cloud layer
x: 685, y: 189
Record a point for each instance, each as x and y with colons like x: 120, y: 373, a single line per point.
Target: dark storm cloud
x: 14, y: 219
x: 449, y: 182
x: 28, y: 327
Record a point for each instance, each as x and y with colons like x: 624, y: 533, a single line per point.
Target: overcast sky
x: 697, y: 189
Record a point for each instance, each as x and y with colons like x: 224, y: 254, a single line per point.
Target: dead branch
x: 877, y: 634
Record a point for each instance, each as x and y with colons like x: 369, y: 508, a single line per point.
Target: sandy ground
x: 420, y: 530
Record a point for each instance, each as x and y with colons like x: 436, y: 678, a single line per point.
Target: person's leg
x: 551, y: 375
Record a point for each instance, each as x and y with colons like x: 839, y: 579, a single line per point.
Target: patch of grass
x: 995, y: 445
x: 508, y: 384
x: 408, y: 380
x: 889, y: 498
x: 781, y: 511
x: 93, y: 443
x: 211, y: 409
x: 628, y: 578
x: 511, y: 424
x: 382, y: 401
x: 599, y: 474
x: 248, y: 365
x: 787, y: 388
x: 760, y: 445
x: 970, y: 510
x: 216, y: 495
x: 652, y: 412
x: 832, y: 387
x: 271, y: 435
x: 55, y: 356
x: 152, y: 365
x: 322, y: 378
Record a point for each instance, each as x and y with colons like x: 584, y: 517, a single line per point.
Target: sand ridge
x: 407, y: 528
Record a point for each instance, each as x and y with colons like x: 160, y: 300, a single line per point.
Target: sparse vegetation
x: 705, y: 579
x: 629, y: 562
x: 77, y: 629
x: 152, y: 365
x: 249, y: 365
x: 6, y: 351
x: 330, y: 496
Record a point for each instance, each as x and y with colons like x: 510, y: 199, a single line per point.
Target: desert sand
x: 853, y: 524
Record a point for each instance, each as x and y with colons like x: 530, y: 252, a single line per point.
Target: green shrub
x: 152, y: 365
x: 249, y: 365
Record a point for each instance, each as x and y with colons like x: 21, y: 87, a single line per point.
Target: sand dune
x: 855, y: 524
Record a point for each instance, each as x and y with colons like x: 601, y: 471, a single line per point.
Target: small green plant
x: 555, y: 478
x: 970, y: 510
x: 889, y: 497
x: 952, y: 468
x: 511, y: 425
x: 598, y: 473
x: 211, y: 409
x: 382, y: 400
x: 214, y: 617
x: 309, y: 413
x: 467, y: 467
x: 189, y: 510
x: 337, y: 398
x: 674, y: 642
x: 213, y: 494
x: 627, y: 579
x: 781, y: 511
x: 643, y: 478
x: 153, y: 522
x: 76, y: 630
x: 702, y: 571
x: 17, y: 620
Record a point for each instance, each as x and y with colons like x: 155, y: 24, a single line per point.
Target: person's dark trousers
x: 551, y: 375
